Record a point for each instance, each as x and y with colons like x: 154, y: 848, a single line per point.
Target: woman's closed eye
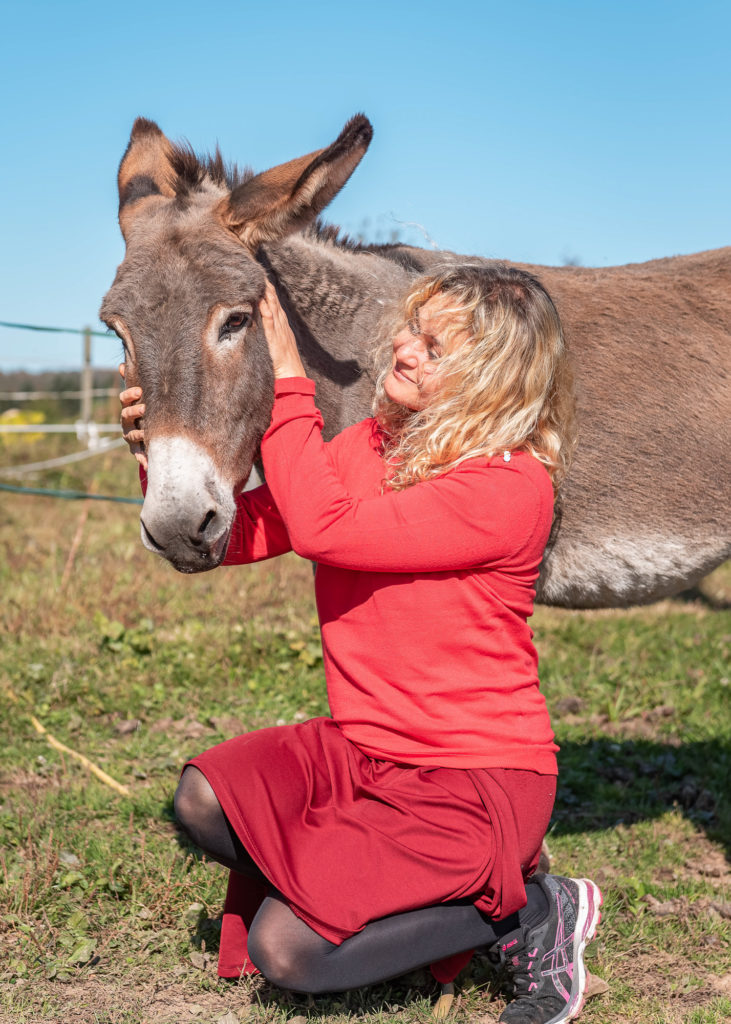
x: 433, y: 349
x: 431, y: 344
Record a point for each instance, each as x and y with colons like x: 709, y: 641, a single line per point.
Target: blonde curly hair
x: 504, y: 382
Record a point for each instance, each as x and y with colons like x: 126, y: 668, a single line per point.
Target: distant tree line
x: 61, y: 409
x: 54, y: 380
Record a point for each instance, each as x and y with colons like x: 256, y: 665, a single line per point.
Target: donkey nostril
x: 150, y: 538
x: 207, y: 520
x: 200, y: 538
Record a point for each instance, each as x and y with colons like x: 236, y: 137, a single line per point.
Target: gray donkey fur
x: 645, y: 510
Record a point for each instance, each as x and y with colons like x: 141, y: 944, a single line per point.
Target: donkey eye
x: 236, y: 322
x: 113, y: 332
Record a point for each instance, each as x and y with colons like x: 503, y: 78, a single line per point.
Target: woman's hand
x: 281, y: 340
x: 133, y: 410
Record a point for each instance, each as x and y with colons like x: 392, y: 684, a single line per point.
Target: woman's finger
x: 265, y: 307
x: 131, y: 413
x: 279, y: 335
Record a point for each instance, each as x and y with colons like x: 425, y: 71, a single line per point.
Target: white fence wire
x: 62, y: 460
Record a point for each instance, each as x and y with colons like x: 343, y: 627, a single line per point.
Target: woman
x: 405, y: 829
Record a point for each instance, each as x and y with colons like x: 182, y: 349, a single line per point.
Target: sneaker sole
x: 587, y: 920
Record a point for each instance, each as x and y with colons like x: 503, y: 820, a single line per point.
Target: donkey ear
x: 144, y: 172
x: 286, y: 198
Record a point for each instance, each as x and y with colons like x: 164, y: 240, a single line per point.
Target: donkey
x: 644, y: 512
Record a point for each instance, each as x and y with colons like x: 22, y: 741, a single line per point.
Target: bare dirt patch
x: 123, y: 1001
x: 655, y: 973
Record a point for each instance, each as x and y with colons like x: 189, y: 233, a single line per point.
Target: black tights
x: 291, y: 955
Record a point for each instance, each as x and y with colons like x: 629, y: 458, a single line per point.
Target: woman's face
x: 414, y: 376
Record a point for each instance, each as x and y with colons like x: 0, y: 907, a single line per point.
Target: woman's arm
x: 258, y: 530
x: 476, y: 515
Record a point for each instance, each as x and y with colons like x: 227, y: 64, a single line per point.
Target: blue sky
x: 535, y: 132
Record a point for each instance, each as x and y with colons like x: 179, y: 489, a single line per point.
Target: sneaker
x: 546, y: 962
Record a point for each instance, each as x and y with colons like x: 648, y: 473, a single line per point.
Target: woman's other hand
x: 281, y: 340
x: 133, y: 410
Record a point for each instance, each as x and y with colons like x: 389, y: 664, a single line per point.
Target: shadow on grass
x: 385, y: 998
x: 605, y: 781
x: 695, y: 595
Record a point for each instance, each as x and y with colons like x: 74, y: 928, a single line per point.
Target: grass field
x: 106, y: 915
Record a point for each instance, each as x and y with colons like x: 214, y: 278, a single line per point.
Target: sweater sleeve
x: 476, y: 515
x: 258, y: 530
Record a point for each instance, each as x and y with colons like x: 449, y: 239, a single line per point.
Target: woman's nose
x: 409, y: 348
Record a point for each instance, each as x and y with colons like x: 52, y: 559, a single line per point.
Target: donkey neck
x: 333, y: 297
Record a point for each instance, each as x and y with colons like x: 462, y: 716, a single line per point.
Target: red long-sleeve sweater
x: 423, y: 594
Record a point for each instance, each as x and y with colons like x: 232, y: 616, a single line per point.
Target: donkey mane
x: 191, y: 170
x: 398, y: 252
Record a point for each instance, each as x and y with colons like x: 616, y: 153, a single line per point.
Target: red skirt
x: 347, y: 839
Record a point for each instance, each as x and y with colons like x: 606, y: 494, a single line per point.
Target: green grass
x: 107, y: 915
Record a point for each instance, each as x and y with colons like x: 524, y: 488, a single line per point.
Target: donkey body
x: 644, y: 512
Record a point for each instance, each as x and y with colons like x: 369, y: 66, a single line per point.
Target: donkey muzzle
x: 189, y: 508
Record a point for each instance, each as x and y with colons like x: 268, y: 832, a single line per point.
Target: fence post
x: 86, y: 379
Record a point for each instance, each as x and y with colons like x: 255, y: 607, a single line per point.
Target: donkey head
x: 185, y: 304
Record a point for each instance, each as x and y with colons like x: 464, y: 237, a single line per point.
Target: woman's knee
x: 195, y: 802
x: 279, y: 963
x: 287, y: 952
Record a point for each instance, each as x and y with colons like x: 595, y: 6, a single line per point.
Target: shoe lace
x: 523, y: 963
